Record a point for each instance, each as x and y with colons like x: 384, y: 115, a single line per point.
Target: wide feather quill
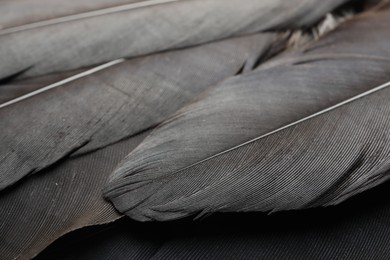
x: 245, y: 147
x: 81, y: 42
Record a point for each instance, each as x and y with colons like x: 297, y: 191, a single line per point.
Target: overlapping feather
x: 114, y: 103
x: 68, y: 195
x: 131, y: 32
x: 199, y: 161
x: 244, y: 146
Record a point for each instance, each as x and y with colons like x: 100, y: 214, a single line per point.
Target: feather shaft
x: 61, y: 83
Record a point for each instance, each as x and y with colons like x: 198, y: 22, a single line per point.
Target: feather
x: 295, y: 133
x: 56, y: 46
x: 63, y: 198
x: 97, y: 109
x: 24, y: 12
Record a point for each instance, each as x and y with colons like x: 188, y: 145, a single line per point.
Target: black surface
x: 356, y: 229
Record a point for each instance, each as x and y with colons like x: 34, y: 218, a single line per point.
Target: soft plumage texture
x: 63, y: 198
x: 177, y: 170
x: 20, y: 12
x: 146, y: 30
x: 114, y: 103
x: 358, y: 229
x: 65, y: 127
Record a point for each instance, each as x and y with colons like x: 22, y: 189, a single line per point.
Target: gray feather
x: 189, y: 163
x: 114, y: 103
x: 97, y: 39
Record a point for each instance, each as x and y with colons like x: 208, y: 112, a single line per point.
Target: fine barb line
x: 84, y: 15
x: 62, y: 82
x: 383, y: 86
